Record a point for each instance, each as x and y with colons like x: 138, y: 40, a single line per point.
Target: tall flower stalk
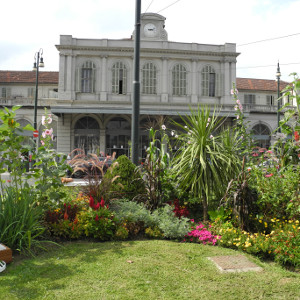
x: 50, y: 166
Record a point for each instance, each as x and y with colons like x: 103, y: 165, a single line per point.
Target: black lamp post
x: 278, y: 74
x: 38, y: 62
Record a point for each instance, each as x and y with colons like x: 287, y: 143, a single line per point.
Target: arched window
x: 149, y: 79
x: 118, y: 133
x: 208, y: 83
x: 119, y: 78
x: 261, y: 135
x: 179, y: 75
x: 87, y: 135
x: 86, y: 78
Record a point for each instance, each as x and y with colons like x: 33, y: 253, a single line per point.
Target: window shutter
x: 78, y: 80
x: 93, y: 79
x: 8, y: 93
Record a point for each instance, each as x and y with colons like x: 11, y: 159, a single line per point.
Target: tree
x: 208, y: 156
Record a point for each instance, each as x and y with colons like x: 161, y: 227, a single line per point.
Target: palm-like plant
x: 207, y: 158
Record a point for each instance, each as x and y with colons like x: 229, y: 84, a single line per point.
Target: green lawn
x: 159, y: 270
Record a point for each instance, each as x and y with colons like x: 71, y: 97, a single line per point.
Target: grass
x: 152, y: 269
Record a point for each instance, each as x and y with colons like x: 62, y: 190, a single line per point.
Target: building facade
x: 91, y: 97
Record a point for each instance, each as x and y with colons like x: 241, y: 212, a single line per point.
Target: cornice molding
x: 129, y: 50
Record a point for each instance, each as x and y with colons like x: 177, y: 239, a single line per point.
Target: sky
x: 265, y: 31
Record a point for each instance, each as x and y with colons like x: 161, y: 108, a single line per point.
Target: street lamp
x: 38, y: 62
x: 278, y: 74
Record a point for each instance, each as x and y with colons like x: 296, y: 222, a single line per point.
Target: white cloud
x: 38, y: 24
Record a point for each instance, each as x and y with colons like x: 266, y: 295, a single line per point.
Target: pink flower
x: 43, y: 120
x: 211, y: 136
x: 43, y: 143
x: 254, y: 154
x: 234, y: 91
x: 46, y: 120
x: 238, y: 101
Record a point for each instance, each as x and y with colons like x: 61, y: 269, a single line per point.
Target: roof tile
x: 28, y: 77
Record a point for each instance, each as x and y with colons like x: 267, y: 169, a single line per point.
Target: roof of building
x: 249, y: 84
x: 252, y: 84
x: 28, y: 77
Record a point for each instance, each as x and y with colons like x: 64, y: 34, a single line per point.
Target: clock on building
x: 150, y: 30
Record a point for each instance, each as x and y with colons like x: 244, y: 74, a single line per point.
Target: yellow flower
x: 266, y: 224
x: 260, y: 221
x: 248, y: 244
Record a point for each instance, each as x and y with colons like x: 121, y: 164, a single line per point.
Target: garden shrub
x: 131, y: 211
x: 171, y: 226
x: 278, y: 191
x: 281, y: 243
x: 20, y: 220
x: 200, y: 234
x: 125, y: 178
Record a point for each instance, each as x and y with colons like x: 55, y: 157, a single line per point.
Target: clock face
x: 150, y: 30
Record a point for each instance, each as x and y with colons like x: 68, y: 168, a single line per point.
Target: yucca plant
x: 206, y: 160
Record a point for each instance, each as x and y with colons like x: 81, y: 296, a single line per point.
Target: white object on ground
x: 2, y: 265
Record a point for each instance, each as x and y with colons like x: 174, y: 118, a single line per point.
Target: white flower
x: 208, y: 120
x: 176, y: 136
x: 163, y: 127
x: 43, y: 120
x: 172, y: 133
x: 211, y: 136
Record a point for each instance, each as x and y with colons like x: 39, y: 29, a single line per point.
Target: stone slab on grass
x: 234, y: 263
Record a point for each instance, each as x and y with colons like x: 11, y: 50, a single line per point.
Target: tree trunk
x: 205, y: 209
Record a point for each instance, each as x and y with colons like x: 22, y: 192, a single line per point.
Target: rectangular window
x: 31, y: 92
x: 86, y: 80
x: 212, y: 84
x: 270, y: 100
x: 249, y: 100
x: 6, y: 93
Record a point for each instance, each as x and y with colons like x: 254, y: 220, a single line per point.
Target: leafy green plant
x: 205, y: 163
x: 49, y: 166
x: 128, y: 181
x: 156, y: 172
x: 100, y: 224
x: 20, y: 220
x: 291, y: 116
x: 131, y: 211
x: 172, y: 227
x: 12, y: 147
x: 241, y: 198
x: 278, y: 190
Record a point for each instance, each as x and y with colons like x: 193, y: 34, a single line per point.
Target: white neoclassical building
x: 96, y: 84
x: 92, y: 98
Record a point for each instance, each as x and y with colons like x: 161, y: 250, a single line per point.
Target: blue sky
x: 27, y: 26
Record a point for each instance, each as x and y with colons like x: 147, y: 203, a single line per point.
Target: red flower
x: 66, y: 216
x: 92, y: 203
x: 96, y: 206
x: 102, y: 203
x: 97, y: 218
x: 296, y: 134
x: 269, y: 175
